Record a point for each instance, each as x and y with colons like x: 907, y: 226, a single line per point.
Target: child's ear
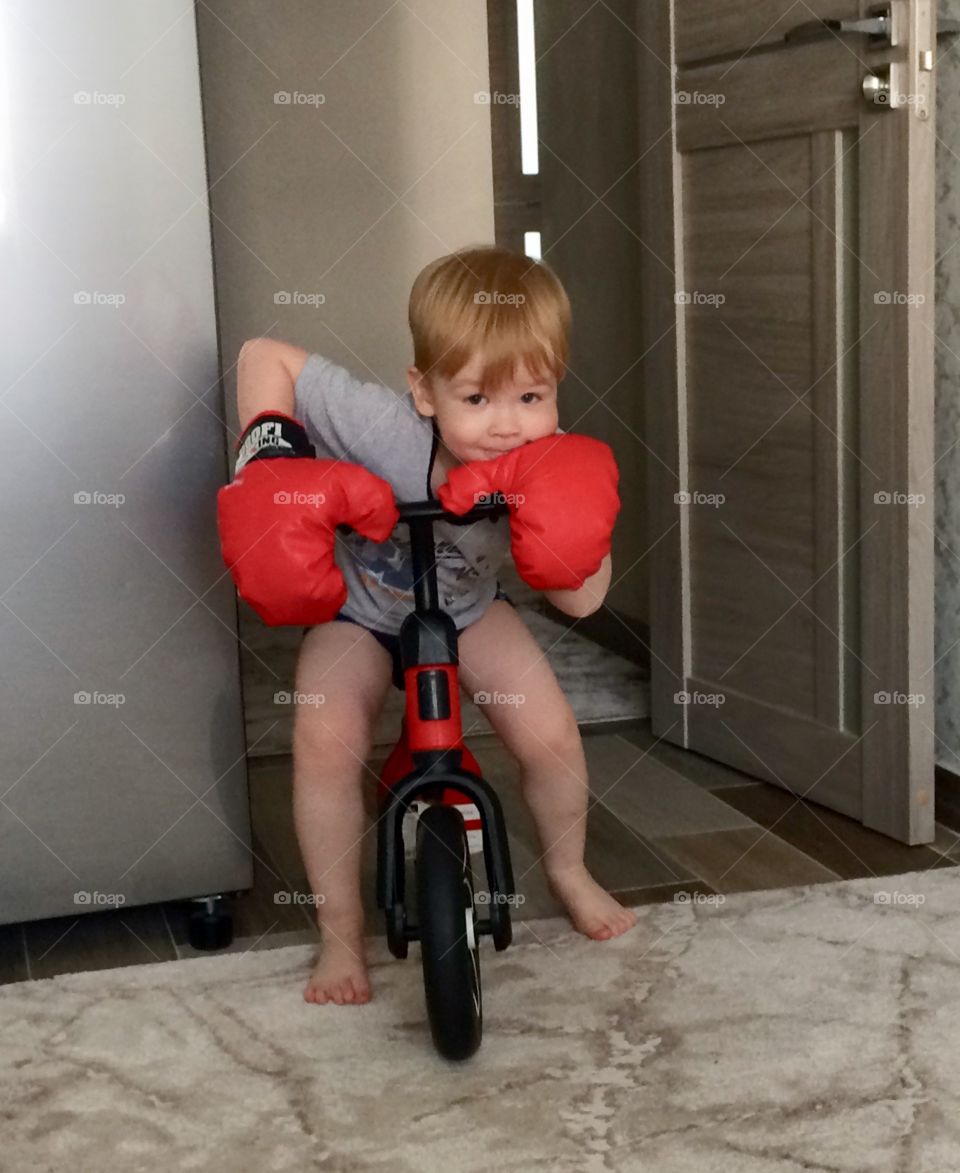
x: 422, y: 399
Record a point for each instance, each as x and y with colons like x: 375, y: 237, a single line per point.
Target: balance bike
x: 431, y: 774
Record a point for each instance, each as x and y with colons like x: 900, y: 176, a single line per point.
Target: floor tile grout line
x: 26, y: 951
x: 169, y: 928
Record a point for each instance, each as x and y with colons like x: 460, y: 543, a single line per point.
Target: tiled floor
x: 662, y: 821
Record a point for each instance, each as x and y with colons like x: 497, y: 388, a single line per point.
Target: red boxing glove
x: 562, y: 494
x: 277, y: 522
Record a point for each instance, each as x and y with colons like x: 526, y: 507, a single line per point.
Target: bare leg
x: 555, y: 789
x: 345, y: 665
x: 499, y: 655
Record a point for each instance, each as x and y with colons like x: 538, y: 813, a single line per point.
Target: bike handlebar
x: 431, y: 510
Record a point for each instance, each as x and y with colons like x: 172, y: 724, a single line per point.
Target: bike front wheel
x: 449, y: 943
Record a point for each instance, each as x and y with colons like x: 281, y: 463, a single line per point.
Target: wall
x: 351, y: 197
x: 946, y: 674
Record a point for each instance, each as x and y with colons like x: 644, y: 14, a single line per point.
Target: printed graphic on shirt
x: 455, y: 573
x: 389, y: 566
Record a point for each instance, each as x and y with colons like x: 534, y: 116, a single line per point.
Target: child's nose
x: 506, y: 429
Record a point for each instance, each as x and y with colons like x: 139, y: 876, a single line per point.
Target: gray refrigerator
x: 123, y: 777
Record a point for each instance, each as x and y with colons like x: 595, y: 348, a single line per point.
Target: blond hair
x: 487, y: 298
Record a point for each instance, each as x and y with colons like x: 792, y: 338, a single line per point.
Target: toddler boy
x: 490, y: 337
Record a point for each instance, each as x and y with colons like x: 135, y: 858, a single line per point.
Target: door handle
x: 876, y: 26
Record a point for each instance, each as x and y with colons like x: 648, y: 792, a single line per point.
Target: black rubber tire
x: 451, y: 968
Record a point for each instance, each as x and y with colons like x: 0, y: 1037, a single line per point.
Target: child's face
x: 479, y: 423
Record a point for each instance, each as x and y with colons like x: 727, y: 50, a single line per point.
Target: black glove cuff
x: 272, y: 434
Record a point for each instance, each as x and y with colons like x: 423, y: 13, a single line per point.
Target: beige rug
x: 805, y: 1028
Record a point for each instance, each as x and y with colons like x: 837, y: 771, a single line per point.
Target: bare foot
x: 340, y: 974
x: 594, y: 912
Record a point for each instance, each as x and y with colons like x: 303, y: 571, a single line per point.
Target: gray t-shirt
x: 368, y: 424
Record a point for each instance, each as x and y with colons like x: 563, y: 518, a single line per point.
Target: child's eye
x: 474, y: 399
x: 526, y: 394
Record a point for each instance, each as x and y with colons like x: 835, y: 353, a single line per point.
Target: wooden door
x: 790, y: 397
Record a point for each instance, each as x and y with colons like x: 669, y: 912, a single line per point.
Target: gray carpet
x: 803, y: 1028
